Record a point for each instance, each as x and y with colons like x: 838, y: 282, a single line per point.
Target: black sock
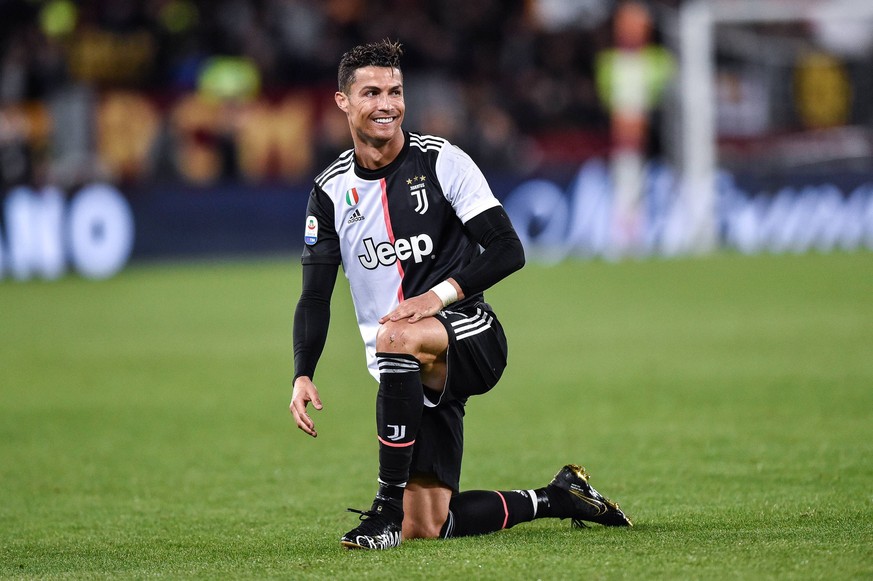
x: 478, y: 512
x: 553, y: 502
x: 389, y: 501
x: 398, y: 415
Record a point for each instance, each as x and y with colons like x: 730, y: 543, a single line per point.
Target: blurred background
x: 164, y: 129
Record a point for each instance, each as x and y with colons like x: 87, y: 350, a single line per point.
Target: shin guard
x: 399, y: 406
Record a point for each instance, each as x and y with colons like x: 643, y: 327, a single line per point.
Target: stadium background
x: 211, y: 118
x: 167, y: 147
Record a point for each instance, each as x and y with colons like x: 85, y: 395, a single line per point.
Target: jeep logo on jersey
x: 386, y: 254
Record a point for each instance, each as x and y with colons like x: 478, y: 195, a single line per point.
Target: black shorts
x: 475, y: 361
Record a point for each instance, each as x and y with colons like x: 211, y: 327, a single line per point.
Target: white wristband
x: 446, y: 292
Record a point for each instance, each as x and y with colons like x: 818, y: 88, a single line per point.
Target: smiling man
x: 420, y: 237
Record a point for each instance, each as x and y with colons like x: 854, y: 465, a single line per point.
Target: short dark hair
x: 385, y: 53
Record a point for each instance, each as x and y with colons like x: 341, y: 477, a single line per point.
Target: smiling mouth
x: 384, y: 120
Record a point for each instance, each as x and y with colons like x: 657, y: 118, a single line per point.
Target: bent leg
x: 406, y: 353
x: 430, y: 510
x: 568, y: 495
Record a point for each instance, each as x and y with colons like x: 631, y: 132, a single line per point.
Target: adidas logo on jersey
x: 355, y: 217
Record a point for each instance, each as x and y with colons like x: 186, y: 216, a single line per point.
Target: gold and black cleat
x: 588, y: 504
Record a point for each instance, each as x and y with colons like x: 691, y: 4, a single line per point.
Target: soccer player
x: 406, y: 214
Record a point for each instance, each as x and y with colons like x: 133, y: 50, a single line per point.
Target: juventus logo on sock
x: 397, y: 432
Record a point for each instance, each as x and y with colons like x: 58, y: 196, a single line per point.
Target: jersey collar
x: 377, y: 174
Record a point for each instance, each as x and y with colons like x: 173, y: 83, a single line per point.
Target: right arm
x: 311, y: 322
x: 321, y: 259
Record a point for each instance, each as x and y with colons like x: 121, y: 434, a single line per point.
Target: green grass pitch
x: 725, y: 402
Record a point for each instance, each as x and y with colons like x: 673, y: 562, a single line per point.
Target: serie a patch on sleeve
x: 310, y: 236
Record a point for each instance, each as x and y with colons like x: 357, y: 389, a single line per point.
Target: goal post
x: 694, y: 40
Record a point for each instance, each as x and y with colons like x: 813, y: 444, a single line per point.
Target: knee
x: 395, y: 337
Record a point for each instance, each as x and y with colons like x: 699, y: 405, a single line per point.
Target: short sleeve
x: 463, y: 183
x: 320, y: 240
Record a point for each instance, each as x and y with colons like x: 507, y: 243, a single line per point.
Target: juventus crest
x: 417, y: 190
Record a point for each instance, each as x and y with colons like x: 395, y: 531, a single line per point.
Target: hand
x: 422, y: 306
x: 415, y: 309
x: 304, y: 392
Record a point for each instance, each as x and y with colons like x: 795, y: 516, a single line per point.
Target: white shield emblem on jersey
x: 420, y: 200
x: 310, y: 235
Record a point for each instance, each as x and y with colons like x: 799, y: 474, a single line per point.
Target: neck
x: 376, y: 155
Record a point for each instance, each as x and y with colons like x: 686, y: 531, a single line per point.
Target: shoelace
x: 372, y: 523
x: 363, y: 513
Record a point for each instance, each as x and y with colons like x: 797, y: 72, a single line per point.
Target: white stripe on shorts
x: 472, y: 325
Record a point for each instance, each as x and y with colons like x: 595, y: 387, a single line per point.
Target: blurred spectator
x: 510, y: 74
x: 631, y: 78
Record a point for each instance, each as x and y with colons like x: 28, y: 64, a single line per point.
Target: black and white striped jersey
x: 398, y: 230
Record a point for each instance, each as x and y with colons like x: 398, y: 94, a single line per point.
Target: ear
x: 342, y: 101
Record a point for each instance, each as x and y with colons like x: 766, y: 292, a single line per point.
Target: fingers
x: 304, y: 422
x: 304, y: 392
x: 314, y: 399
x: 419, y: 316
x: 401, y: 312
x: 414, y: 309
x: 411, y: 316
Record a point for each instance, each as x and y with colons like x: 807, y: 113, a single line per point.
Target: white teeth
x: 384, y: 120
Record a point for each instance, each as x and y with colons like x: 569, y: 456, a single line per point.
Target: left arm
x: 503, y: 254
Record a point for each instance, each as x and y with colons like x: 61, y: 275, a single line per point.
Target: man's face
x: 374, y: 104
